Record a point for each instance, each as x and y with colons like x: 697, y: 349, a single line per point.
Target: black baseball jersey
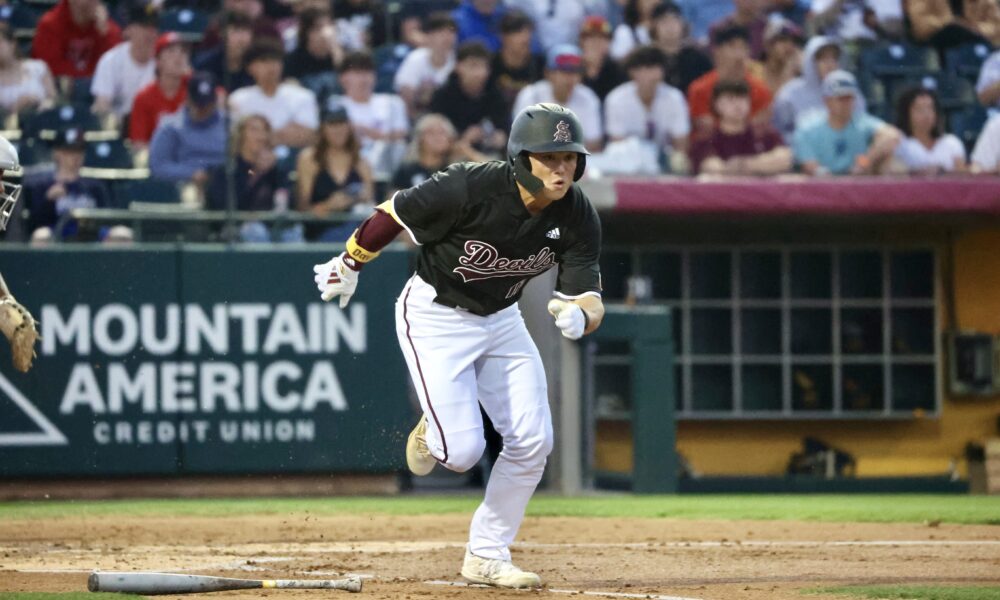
x: 480, y: 245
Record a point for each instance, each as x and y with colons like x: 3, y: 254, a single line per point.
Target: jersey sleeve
x: 430, y: 209
x: 579, y: 270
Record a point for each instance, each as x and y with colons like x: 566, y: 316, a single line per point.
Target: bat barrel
x: 163, y: 583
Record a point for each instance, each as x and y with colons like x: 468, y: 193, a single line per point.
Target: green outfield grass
x: 914, y: 592
x: 847, y: 508
x: 65, y: 596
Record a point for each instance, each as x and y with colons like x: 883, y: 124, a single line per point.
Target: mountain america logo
x: 562, y: 134
x: 483, y: 261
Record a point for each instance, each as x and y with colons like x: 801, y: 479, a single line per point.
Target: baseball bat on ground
x: 175, y: 583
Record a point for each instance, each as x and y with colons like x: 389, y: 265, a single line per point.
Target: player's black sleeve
x: 429, y: 210
x: 579, y: 270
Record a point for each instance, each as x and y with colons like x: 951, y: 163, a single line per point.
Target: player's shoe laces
x: 418, y: 457
x: 499, y: 573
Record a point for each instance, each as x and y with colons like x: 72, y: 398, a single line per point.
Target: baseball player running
x: 484, y: 230
x: 16, y: 323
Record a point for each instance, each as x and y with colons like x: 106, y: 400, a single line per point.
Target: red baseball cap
x: 166, y: 40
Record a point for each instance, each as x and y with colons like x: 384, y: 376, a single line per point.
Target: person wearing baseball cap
x: 191, y: 141
x: 600, y: 72
x: 843, y: 141
x: 563, y: 85
x: 53, y: 194
x: 167, y: 93
x: 128, y: 67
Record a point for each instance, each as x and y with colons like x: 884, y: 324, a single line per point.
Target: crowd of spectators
x: 326, y: 106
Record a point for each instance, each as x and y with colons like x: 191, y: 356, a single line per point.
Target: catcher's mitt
x: 18, y: 326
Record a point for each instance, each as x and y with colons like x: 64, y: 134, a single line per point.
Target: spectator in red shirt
x: 734, y: 146
x: 167, y: 93
x: 731, y: 51
x: 73, y: 35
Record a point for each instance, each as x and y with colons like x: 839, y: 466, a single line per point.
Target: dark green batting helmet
x: 544, y: 127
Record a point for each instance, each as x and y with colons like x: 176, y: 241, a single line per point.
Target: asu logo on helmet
x: 544, y: 127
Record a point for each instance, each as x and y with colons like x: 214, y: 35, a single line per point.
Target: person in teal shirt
x: 840, y: 141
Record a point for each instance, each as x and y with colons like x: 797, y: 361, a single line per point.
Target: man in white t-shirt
x: 290, y: 108
x: 128, y: 67
x: 645, y: 107
x: 379, y: 119
x: 986, y: 153
x: 563, y: 74
x: 426, y: 69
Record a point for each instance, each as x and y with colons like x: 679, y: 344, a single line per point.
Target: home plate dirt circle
x: 418, y: 557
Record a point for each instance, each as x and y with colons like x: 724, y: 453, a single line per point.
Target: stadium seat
x: 190, y: 23
x: 45, y: 124
x: 111, y: 154
x: 953, y: 91
x: 127, y: 191
x: 323, y: 85
x: 32, y: 153
x: 76, y: 90
x: 897, y: 60
x: 21, y: 18
x: 966, y: 60
x: 388, y: 59
x: 966, y: 123
x: 875, y: 95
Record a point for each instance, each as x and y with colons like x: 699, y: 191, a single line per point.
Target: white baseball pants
x: 459, y: 360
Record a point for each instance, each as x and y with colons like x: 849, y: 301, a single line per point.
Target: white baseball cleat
x: 418, y: 457
x: 499, y: 573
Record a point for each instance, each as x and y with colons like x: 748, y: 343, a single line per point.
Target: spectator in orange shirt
x: 73, y: 35
x: 731, y: 52
x: 167, y: 93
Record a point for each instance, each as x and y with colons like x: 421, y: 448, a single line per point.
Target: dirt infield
x: 704, y: 560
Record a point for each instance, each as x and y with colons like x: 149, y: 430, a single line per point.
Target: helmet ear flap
x: 581, y: 166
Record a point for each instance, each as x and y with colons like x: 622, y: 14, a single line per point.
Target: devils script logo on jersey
x: 483, y: 261
x: 562, y: 134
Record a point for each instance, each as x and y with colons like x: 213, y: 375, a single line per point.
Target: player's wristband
x: 359, y: 254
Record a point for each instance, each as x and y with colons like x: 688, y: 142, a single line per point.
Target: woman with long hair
x: 259, y: 182
x: 24, y: 83
x: 318, y: 49
x: 435, y: 145
x: 926, y: 149
x: 333, y: 178
x: 636, y: 28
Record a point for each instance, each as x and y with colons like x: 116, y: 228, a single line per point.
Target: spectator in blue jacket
x: 189, y: 142
x: 479, y: 20
x: 52, y: 195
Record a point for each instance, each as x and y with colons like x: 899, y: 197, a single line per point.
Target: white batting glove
x: 336, y: 278
x: 569, y: 318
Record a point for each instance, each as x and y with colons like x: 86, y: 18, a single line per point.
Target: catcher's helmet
x: 8, y: 191
x: 544, y: 128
